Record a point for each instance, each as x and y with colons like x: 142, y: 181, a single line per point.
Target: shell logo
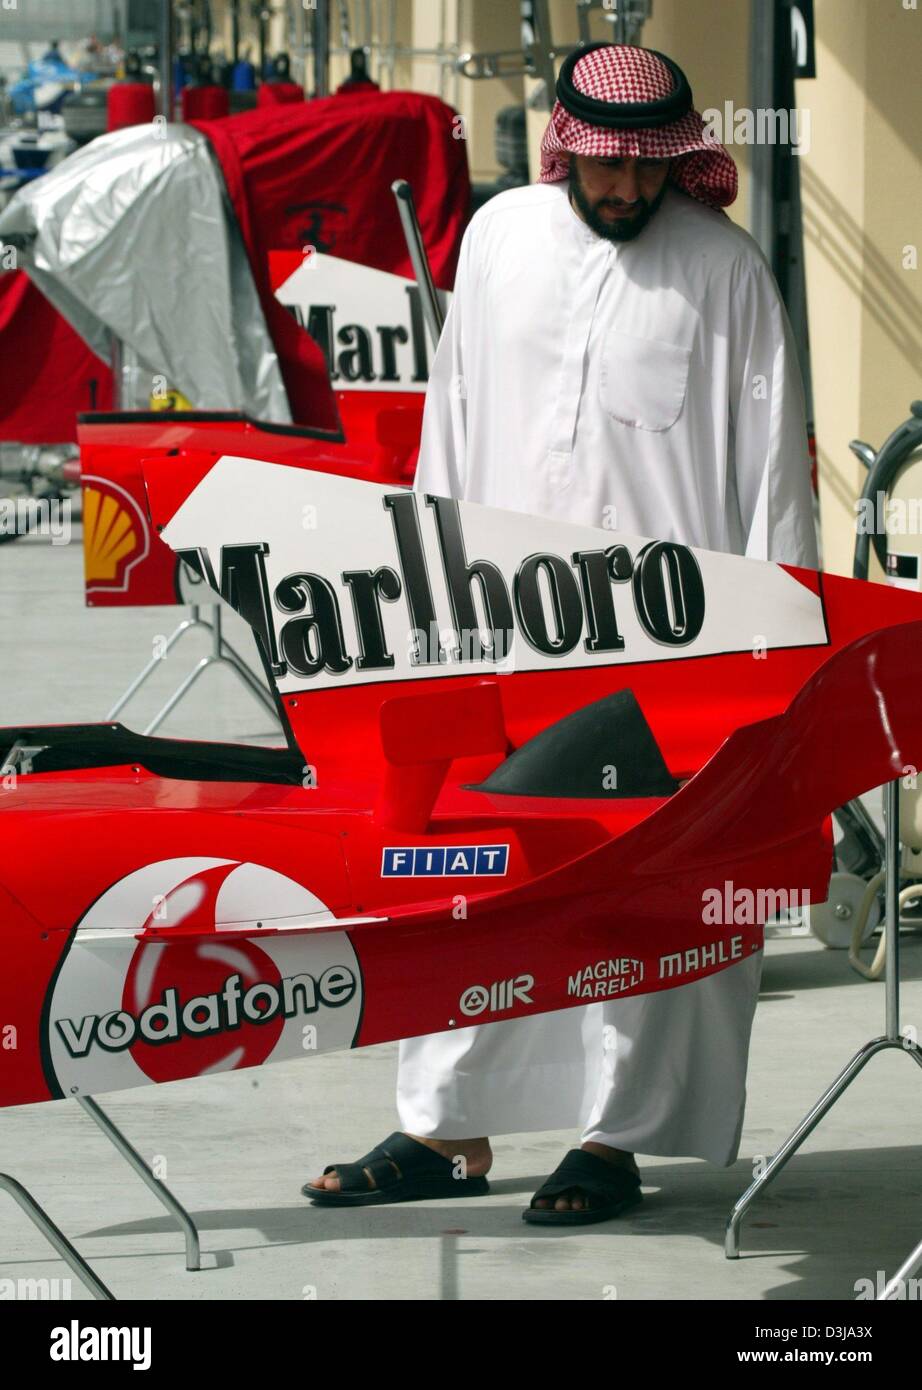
x: 171, y: 399
x: 115, y: 534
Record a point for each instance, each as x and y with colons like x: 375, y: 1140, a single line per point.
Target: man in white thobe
x: 616, y: 354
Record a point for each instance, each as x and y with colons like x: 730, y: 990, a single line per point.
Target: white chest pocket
x: 642, y: 381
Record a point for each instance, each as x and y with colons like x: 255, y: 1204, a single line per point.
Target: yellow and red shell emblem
x: 115, y: 534
x: 170, y: 399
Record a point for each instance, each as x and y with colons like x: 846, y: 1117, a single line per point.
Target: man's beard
x: 623, y: 228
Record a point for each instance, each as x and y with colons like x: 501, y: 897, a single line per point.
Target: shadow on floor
x: 841, y: 1216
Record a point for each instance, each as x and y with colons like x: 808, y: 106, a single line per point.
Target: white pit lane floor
x: 236, y: 1148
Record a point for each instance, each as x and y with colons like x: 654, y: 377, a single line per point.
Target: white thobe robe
x: 649, y: 386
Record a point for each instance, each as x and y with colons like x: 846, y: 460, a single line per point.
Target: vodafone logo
x: 126, y: 1011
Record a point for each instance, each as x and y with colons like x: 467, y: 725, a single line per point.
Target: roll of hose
x: 129, y: 103
x: 279, y: 94
x: 204, y: 103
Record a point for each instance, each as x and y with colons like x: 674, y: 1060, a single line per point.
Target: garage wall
x: 862, y: 191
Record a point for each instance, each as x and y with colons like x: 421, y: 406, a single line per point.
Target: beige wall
x: 709, y: 39
x: 486, y: 28
x: 862, y: 183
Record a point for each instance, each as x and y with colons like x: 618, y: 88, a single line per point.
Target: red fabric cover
x: 319, y: 173
x: 129, y: 103
x: 342, y: 152
x: 204, y: 103
x: 279, y: 94
x: 46, y: 369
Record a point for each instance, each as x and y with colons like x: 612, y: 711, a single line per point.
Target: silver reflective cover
x: 133, y: 237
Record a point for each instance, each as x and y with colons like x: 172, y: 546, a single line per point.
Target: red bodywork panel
x: 369, y: 887
x: 125, y: 562
x: 319, y: 175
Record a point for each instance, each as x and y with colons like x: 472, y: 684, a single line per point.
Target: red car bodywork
x: 125, y: 562
x: 201, y: 918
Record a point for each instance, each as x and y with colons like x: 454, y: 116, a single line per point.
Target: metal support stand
x: 896, y: 1288
x: 38, y: 1216
x: 891, y: 1039
x: 165, y: 60
x: 432, y: 309
x: 221, y: 654
x: 159, y: 1189
x: 321, y: 36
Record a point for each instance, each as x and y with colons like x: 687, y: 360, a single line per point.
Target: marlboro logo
x: 552, y: 602
x: 369, y: 354
x: 368, y: 323
x: 349, y: 582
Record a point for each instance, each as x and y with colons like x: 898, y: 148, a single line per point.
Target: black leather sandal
x: 404, y: 1171
x: 614, y: 1188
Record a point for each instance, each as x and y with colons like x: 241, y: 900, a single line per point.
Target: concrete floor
x: 237, y: 1148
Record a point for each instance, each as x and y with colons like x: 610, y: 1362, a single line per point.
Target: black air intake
x: 570, y: 758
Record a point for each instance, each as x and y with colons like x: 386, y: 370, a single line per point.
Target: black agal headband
x: 623, y: 115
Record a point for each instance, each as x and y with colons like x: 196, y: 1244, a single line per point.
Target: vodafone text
x: 170, y: 1019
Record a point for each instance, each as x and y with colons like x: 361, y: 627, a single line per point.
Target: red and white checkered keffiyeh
x: 624, y: 73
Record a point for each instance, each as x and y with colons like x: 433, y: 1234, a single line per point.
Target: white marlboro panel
x: 349, y: 582
x: 369, y: 323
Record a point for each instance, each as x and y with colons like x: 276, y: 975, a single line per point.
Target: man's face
x: 617, y: 197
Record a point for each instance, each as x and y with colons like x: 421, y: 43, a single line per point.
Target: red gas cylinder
x: 208, y: 103
x: 129, y: 103
x: 279, y: 94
